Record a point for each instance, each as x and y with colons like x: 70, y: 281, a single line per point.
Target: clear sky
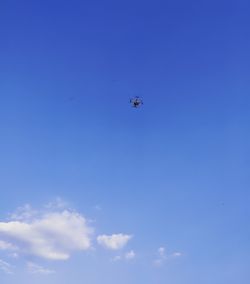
x: 95, y: 191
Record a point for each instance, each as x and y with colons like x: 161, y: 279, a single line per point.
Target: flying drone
x: 136, y: 102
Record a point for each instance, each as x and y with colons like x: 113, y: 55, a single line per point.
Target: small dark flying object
x: 136, y: 102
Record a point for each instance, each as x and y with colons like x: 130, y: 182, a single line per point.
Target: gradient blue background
x: 175, y: 172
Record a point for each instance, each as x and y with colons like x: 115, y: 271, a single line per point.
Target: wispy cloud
x: 6, y: 267
x: 130, y: 255
x: 34, y: 268
x: 22, y: 213
x: 98, y: 207
x: 176, y: 254
x: 113, y: 242
x: 6, y: 246
x: 117, y: 258
x: 58, y: 204
x: 162, y: 256
x: 161, y: 252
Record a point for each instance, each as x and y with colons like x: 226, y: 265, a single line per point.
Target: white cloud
x: 37, y: 269
x: 130, y: 255
x: 54, y: 232
x: 52, y: 235
x: 5, y: 267
x: 113, y: 242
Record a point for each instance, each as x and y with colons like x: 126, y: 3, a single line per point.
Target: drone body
x: 136, y: 102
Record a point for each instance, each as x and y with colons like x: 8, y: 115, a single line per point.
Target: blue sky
x: 95, y: 191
